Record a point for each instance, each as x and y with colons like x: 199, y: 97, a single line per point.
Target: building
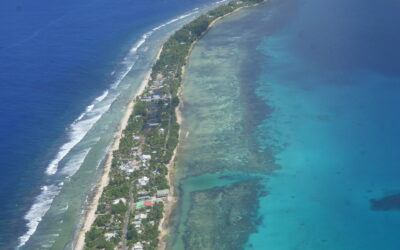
x: 162, y: 193
x: 116, y: 201
x: 148, y: 203
x: 142, y: 198
x: 146, y: 99
x: 140, y: 216
x: 144, y: 180
x: 156, y: 97
x: 142, y: 204
x: 139, y: 205
x: 137, y: 246
x: 145, y: 157
x: 109, y: 236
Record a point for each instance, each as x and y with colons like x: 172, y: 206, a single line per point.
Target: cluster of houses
x: 145, y: 197
x: 137, y: 162
x: 144, y: 201
x: 154, y: 94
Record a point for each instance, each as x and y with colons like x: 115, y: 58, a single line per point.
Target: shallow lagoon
x: 290, y: 129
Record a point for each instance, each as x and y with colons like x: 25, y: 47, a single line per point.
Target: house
x: 142, y: 204
x: 156, y: 97
x: 148, y: 203
x: 146, y: 99
x: 137, y: 246
x: 144, y: 180
x: 127, y: 167
x: 116, y: 201
x: 145, y: 157
x: 142, y: 198
x: 140, y: 216
x: 109, y: 236
x: 137, y: 223
x: 139, y: 205
x: 144, y: 165
x: 154, y: 124
x: 162, y: 193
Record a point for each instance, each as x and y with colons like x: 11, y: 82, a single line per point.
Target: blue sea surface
x: 331, y: 77
x: 56, y: 59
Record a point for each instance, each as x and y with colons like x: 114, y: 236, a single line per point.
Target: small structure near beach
x: 162, y: 193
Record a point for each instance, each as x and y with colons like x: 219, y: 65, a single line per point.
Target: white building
x: 109, y: 236
x: 140, y: 216
x: 145, y: 157
x: 116, y: 201
x: 137, y: 246
x: 144, y: 180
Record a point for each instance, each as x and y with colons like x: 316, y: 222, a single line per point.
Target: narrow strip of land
x: 134, y: 195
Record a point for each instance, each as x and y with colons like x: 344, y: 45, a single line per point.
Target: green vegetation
x: 139, y: 166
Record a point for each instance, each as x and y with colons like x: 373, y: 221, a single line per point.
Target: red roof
x: 148, y: 203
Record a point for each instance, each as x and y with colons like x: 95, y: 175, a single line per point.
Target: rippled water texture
x: 290, y: 132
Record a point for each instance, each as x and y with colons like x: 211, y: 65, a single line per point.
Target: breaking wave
x: 38, y: 210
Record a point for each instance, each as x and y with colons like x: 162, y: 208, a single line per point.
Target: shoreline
x: 90, y: 216
x: 172, y: 199
x: 195, y: 31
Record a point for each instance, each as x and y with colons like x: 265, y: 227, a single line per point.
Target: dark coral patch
x: 390, y: 202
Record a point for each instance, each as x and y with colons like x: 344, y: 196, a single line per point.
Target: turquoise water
x: 219, y: 171
x: 336, y: 110
x: 299, y: 100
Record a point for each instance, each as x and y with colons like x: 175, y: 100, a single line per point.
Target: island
x: 135, y: 194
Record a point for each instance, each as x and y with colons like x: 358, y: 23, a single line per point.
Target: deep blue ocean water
x: 55, y: 59
x: 331, y: 77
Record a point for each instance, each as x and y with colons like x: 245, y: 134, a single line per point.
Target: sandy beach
x: 90, y: 214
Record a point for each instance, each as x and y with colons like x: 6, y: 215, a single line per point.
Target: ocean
x: 67, y: 70
x: 290, y: 130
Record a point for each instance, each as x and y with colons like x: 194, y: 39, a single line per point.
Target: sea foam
x: 38, y: 210
x: 75, y: 163
x: 76, y: 132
